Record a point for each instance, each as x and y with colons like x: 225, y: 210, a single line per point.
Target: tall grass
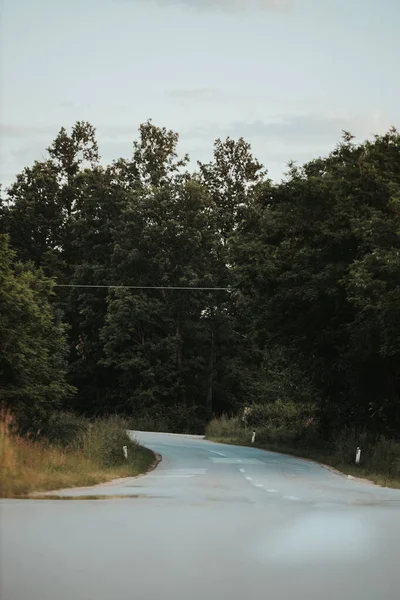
x: 293, y: 430
x: 79, y: 455
x: 227, y: 429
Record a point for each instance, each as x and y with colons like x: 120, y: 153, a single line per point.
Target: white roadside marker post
x: 253, y: 437
x: 125, y: 451
x: 358, y: 455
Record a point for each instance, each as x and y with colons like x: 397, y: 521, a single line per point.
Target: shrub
x: 28, y: 464
x: 225, y: 428
x: 385, y: 457
x: 280, y: 414
x: 276, y: 423
x: 293, y: 428
x: 105, y: 439
x: 174, y: 419
x: 345, y: 444
x: 152, y: 421
x: 284, y: 423
x: 65, y: 429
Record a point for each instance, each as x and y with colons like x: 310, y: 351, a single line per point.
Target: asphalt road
x: 211, y: 522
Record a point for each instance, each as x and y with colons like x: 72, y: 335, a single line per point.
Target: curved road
x: 211, y: 522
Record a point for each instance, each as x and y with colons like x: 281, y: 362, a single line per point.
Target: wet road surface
x: 210, y: 522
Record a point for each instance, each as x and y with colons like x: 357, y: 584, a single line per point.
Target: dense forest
x: 301, y: 284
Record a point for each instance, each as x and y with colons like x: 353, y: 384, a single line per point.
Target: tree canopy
x: 33, y: 346
x: 310, y: 267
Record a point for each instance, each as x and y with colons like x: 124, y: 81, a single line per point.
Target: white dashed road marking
x: 242, y: 470
x: 219, y: 453
x: 260, y: 485
x: 272, y: 491
x: 291, y: 498
x: 249, y: 478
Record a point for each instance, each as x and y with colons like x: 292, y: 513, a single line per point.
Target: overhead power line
x: 141, y: 287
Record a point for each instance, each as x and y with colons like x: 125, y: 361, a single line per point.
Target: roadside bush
x: 276, y: 424
x: 29, y: 463
x: 280, y: 414
x: 226, y: 428
x: 175, y: 419
x: 345, y: 444
x: 284, y: 423
x: 293, y: 428
x: 153, y: 421
x: 105, y: 439
x: 273, y: 414
x: 65, y: 429
x: 278, y: 436
x: 385, y: 457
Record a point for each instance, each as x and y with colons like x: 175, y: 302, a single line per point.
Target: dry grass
x: 28, y: 466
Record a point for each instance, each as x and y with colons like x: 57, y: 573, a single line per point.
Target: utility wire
x: 141, y: 287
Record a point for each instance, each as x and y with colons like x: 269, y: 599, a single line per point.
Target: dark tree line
x: 311, y: 269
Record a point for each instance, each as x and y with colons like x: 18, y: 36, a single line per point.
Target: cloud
x: 26, y: 155
x: 20, y: 146
x: 113, y: 150
x: 227, y: 5
x: 114, y: 131
x: 300, y: 128
x: 298, y: 137
x: 275, y: 140
x: 209, y: 93
x: 22, y: 131
x: 90, y: 106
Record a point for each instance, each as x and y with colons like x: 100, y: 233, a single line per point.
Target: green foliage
x: 285, y: 423
x: 385, y: 458
x: 281, y: 428
x: 105, y: 440
x: 345, y: 443
x: 102, y: 439
x: 279, y: 414
x: 65, y: 429
x: 311, y: 321
x: 316, y: 261
x: 32, y: 343
x: 71, y: 452
x: 225, y: 428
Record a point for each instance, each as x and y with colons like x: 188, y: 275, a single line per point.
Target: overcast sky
x: 287, y: 75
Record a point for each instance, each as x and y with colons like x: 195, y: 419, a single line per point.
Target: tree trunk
x: 209, y: 402
x: 179, y: 358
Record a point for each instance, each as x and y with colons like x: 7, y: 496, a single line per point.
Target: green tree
x: 32, y: 343
x: 373, y: 286
x: 311, y: 264
x: 304, y: 259
x: 155, y: 338
x: 232, y: 178
x: 98, y: 210
x: 42, y: 203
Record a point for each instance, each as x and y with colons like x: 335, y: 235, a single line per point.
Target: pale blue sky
x: 287, y: 75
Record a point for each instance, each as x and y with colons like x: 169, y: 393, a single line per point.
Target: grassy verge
x: 231, y: 431
x: 86, y: 454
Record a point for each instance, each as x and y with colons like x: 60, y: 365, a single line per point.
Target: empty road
x: 210, y: 522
